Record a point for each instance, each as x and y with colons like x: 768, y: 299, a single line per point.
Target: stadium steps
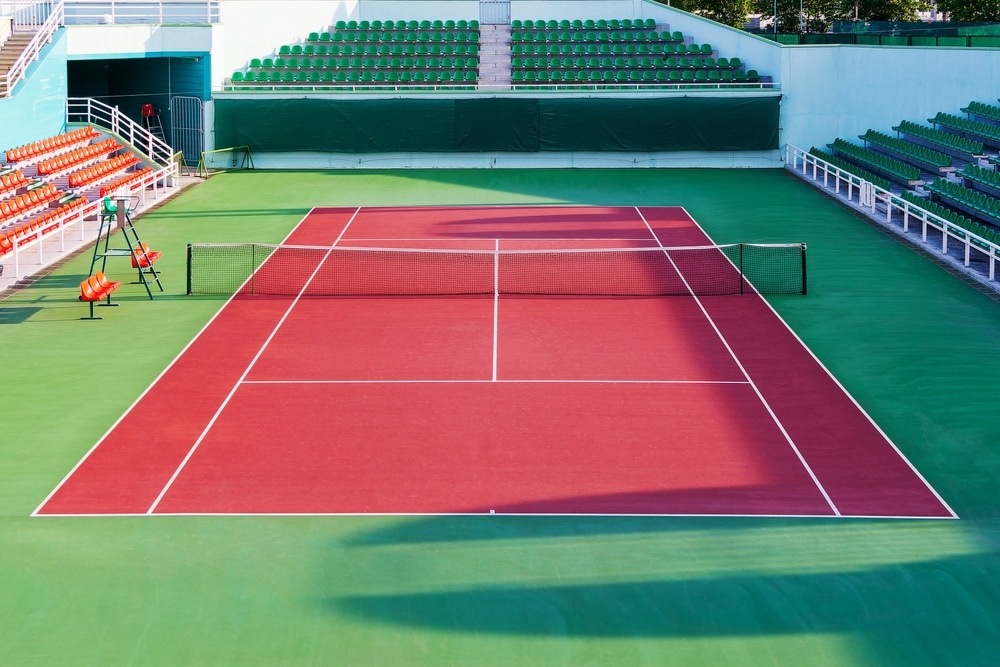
x: 10, y: 52
x: 494, y: 56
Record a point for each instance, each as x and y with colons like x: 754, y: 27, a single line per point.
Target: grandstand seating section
x: 615, y: 53
x: 376, y: 53
x: 943, y: 167
x: 46, y: 182
x: 444, y: 54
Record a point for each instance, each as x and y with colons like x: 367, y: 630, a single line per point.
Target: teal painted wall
x: 128, y: 83
x: 37, y: 109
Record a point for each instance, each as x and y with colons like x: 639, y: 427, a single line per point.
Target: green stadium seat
x: 364, y: 25
x: 753, y: 76
x: 237, y: 77
x: 328, y: 76
x: 735, y: 63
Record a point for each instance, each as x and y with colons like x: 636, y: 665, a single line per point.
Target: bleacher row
x: 594, y: 53
x: 44, y: 182
x: 434, y: 53
x: 944, y: 167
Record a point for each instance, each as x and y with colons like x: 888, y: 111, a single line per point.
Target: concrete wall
x: 758, y: 53
x: 256, y: 28
x: 38, y: 107
x: 841, y: 91
x: 407, y: 10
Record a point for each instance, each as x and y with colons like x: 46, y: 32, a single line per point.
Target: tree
x: 730, y: 12
x: 971, y: 10
x: 885, y: 10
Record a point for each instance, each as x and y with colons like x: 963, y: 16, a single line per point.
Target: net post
x: 741, y: 268
x: 803, y: 246
x: 188, y: 253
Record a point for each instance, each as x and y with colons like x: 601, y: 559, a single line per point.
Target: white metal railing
x: 74, y: 229
x: 154, y: 12
x: 44, y: 18
x: 298, y: 87
x: 881, y: 204
x: 95, y: 112
x: 27, y: 15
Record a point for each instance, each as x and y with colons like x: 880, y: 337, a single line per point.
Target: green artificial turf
x: 915, y: 346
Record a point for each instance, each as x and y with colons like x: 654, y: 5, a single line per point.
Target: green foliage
x: 971, y: 10
x: 819, y: 15
x: 730, y: 12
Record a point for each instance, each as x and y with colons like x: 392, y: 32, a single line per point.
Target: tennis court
x: 407, y: 395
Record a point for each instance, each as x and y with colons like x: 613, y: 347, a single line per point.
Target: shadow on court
x: 896, y: 593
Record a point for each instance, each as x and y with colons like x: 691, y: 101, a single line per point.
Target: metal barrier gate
x: 187, y: 127
x: 494, y: 12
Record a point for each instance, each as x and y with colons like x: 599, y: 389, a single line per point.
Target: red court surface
x: 512, y: 404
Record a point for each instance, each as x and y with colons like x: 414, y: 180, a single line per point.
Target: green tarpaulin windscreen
x: 499, y: 124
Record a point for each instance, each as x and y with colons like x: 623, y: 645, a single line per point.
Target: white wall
x: 842, y: 91
x: 584, y: 9
x: 256, y: 28
x: 757, y: 53
x: 138, y: 40
x: 408, y: 10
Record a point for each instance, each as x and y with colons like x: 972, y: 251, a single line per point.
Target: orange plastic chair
x: 107, y: 286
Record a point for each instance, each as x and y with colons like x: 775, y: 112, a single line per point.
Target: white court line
x: 743, y: 370
x: 570, y: 515
x: 496, y: 304
x: 508, y: 381
x: 249, y: 367
x: 154, y: 382
x: 518, y: 239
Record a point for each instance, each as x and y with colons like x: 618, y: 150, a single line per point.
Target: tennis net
x: 253, y: 268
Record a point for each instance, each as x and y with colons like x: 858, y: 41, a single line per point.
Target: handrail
x: 95, y: 112
x: 878, y: 199
x: 297, y: 88
x: 42, y: 37
x: 153, y: 12
x: 30, y: 256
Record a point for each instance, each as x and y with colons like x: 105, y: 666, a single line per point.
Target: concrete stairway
x: 494, y: 57
x: 11, y: 51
